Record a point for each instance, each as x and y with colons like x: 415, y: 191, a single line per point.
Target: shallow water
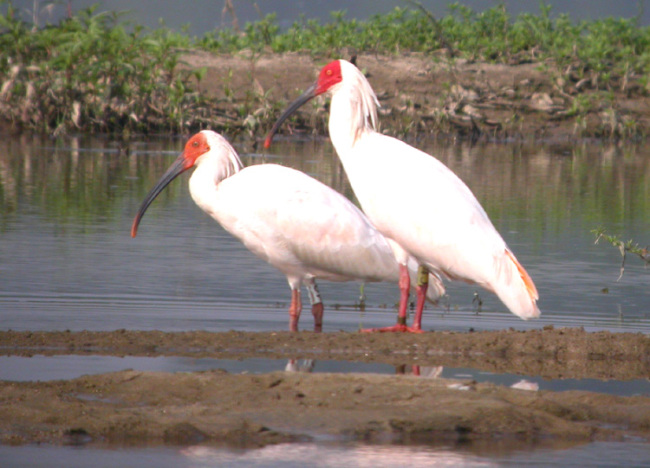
x: 326, y: 454
x: 67, y: 262
x: 63, y: 367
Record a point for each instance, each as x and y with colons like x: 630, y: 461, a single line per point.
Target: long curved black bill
x: 309, y: 93
x: 176, y: 169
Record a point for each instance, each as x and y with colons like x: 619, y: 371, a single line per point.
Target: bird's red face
x: 329, y: 75
x: 194, y: 148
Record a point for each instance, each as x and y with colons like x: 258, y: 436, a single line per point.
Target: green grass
x: 90, y: 72
x: 610, y: 46
x: 96, y: 72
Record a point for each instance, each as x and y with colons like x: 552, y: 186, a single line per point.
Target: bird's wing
x: 299, y: 224
x: 420, y: 203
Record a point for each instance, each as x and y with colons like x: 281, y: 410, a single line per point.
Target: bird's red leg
x: 317, y: 307
x: 404, y: 286
x: 421, y: 294
x: 294, y: 310
x: 317, y: 310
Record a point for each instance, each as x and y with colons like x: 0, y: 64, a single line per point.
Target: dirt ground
x: 247, y: 410
x: 428, y: 95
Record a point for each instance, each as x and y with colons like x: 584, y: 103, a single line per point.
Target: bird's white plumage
x: 419, y: 203
x: 295, y: 223
x: 300, y: 226
x: 434, y: 227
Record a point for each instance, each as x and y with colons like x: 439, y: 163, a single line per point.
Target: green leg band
x: 423, y: 276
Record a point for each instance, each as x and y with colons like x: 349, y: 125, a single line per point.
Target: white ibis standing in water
x: 415, y: 200
x: 300, y: 226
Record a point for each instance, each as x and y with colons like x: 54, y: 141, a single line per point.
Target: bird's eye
x: 328, y: 72
x: 195, y: 143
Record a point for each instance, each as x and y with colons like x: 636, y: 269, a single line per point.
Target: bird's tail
x: 436, y: 288
x: 516, y: 288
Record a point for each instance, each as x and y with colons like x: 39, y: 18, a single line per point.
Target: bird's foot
x: 395, y: 328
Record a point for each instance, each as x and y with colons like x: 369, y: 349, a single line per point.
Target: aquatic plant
x: 624, y: 248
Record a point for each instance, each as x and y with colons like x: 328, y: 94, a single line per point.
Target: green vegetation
x: 90, y: 73
x: 94, y: 72
x: 492, y: 35
x: 624, y: 247
x: 606, y: 51
x: 547, y: 191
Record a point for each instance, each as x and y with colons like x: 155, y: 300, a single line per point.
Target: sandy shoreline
x: 215, y: 407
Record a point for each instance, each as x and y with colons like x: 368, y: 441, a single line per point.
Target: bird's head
x: 201, y: 147
x: 329, y: 80
x: 329, y: 76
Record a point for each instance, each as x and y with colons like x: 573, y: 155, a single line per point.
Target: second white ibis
x: 415, y: 200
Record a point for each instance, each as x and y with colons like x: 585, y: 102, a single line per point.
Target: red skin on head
x: 195, y: 147
x: 328, y: 77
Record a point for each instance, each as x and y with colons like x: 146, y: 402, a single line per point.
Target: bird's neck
x: 352, y: 114
x: 206, y: 178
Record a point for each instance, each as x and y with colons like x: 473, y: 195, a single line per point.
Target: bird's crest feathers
x: 362, y: 98
x: 228, y: 157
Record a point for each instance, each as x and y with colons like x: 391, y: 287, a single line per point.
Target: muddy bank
x: 425, y: 95
x: 242, y: 94
x: 549, y: 353
x: 138, y: 408
x: 251, y: 410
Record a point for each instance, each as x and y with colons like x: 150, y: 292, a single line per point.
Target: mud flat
x: 243, y: 410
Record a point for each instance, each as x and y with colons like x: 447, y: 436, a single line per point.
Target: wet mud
x: 244, y: 410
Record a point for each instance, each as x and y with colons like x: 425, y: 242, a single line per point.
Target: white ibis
x: 415, y: 200
x: 300, y: 226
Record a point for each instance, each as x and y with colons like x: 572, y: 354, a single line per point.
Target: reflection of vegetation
x: 624, y: 247
x: 550, y: 187
x: 89, y: 180
x: 541, y: 191
x: 83, y: 180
